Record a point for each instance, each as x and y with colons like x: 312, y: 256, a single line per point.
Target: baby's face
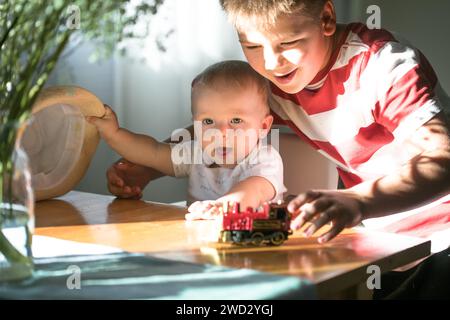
x: 232, y: 122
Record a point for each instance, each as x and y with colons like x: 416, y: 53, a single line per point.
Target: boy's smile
x: 286, y: 78
x: 291, y: 53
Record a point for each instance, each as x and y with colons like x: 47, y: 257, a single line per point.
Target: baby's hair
x: 263, y: 13
x: 231, y: 74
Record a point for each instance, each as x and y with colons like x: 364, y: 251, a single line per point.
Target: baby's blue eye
x: 207, y: 121
x: 236, y: 121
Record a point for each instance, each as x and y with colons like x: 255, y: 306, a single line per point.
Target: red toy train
x: 270, y: 224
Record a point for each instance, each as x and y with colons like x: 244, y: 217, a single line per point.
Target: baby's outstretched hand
x: 204, y: 210
x: 106, y: 125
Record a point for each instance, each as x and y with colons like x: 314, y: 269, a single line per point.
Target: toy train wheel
x: 257, y: 238
x: 225, y: 236
x: 277, y: 238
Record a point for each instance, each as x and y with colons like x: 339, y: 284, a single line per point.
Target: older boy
x: 368, y: 102
x: 371, y: 104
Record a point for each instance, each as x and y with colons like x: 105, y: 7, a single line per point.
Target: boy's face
x: 291, y: 53
x: 232, y: 121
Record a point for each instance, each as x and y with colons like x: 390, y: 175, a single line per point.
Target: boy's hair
x: 263, y: 13
x: 231, y: 74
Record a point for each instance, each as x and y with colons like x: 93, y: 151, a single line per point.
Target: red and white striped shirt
x: 374, y: 93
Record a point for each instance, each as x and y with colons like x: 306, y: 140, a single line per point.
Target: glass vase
x: 16, y: 216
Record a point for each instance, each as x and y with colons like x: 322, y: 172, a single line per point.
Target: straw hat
x: 59, y: 142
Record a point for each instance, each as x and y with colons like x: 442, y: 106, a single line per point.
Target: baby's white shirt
x: 207, y: 183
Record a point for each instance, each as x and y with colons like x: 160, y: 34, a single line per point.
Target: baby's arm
x: 137, y: 148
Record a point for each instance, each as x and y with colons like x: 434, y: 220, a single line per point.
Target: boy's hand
x: 107, y: 125
x: 204, y: 210
x: 126, y: 179
x: 341, y: 208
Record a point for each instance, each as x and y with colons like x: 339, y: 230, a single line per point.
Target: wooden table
x: 338, y: 268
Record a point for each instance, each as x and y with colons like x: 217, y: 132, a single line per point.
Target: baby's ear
x: 266, y: 125
x: 267, y: 122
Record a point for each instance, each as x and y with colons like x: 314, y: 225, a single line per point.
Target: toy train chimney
x: 236, y: 207
x: 266, y: 207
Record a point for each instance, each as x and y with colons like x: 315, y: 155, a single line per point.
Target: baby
x: 227, y: 161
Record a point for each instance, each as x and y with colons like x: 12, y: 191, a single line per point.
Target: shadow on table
x: 134, y: 276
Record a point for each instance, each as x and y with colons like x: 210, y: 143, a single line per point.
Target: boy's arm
x: 426, y: 177
x: 251, y: 192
